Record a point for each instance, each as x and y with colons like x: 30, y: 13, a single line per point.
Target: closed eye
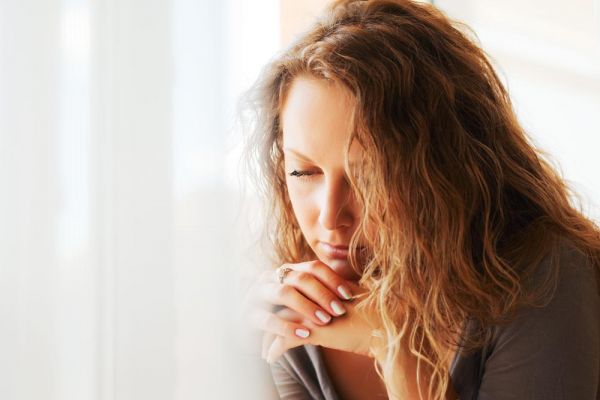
x: 301, y: 174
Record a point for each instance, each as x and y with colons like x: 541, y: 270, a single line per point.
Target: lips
x: 337, y: 252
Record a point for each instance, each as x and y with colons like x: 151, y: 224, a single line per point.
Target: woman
x: 424, y: 248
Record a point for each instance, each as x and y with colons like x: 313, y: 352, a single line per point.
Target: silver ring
x: 282, y: 272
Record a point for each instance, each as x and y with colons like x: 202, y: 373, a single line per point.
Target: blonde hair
x: 458, y: 206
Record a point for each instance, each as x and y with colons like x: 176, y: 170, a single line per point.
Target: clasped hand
x: 313, y: 305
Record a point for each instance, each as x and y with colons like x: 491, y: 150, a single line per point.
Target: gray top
x: 547, y: 353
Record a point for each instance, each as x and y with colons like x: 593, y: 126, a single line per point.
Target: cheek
x: 304, y: 206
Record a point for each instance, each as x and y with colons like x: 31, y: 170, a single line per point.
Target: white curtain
x: 121, y: 234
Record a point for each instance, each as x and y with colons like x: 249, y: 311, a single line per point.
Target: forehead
x: 316, y: 119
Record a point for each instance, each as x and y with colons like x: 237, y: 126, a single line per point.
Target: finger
x: 266, y: 321
x: 272, y: 275
x: 316, y: 291
x: 252, y: 296
x: 291, y: 297
x: 357, y: 290
x: 335, y: 283
x: 290, y: 315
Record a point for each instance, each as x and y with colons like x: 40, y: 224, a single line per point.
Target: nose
x: 336, y: 205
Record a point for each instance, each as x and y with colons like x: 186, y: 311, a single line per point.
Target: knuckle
x: 289, y: 329
x: 283, y: 291
x: 314, y: 265
x: 303, y: 277
x: 289, y: 314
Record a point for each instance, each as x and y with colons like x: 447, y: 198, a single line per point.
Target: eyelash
x: 301, y: 174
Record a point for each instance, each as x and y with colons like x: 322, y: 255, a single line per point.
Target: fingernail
x: 303, y: 333
x: 344, y: 292
x: 322, y: 316
x: 337, y: 307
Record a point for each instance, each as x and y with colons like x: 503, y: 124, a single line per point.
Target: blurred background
x: 125, y: 219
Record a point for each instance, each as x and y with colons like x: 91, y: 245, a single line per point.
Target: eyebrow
x: 305, y: 158
x: 298, y: 154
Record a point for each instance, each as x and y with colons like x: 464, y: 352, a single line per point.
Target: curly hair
x: 458, y: 207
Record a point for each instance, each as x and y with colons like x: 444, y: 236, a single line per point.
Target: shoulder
x: 575, y: 295
x: 295, y: 374
x: 551, y: 351
x: 294, y: 363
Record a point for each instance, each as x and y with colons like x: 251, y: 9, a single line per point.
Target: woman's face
x: 316, y: 124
